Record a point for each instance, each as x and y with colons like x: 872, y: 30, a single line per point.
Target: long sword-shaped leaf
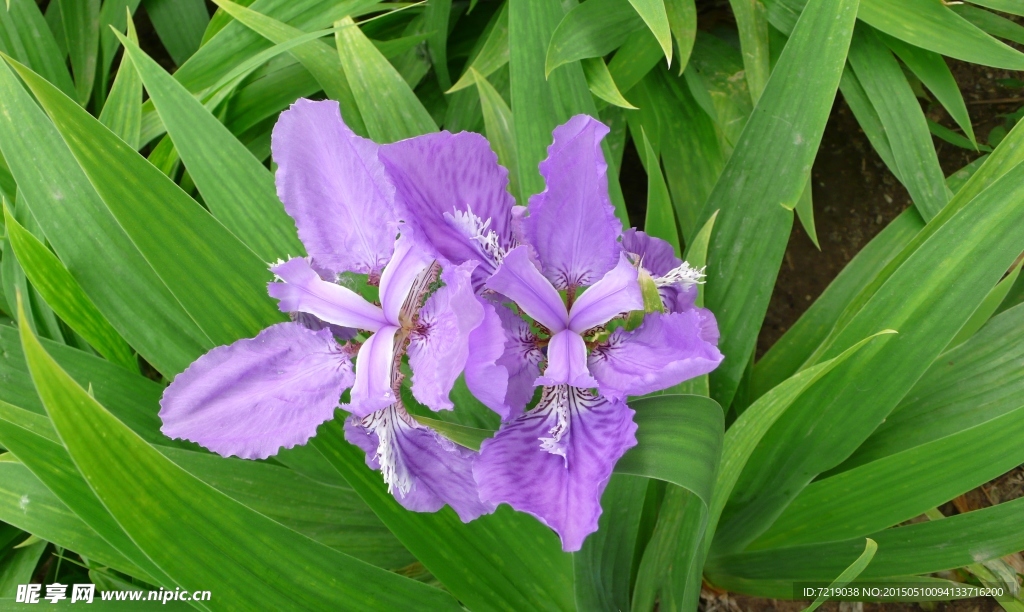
x: 179, y: 24
x: 168, y: 513
x: 81, y: 20
x: 766, y: 173
x: 236, y: 187
x: 122, y: 111
x: 27, y: 38
x: 87, y: 238
x: 216, y: 278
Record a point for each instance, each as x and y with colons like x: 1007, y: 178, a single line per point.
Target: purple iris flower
x: 258, y: 395
x: 565, y: 265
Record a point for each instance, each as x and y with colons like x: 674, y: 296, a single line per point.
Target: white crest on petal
x: 478, y: 230
x: 388, y: 424
x: 557, y: 400
x: 683, y: 274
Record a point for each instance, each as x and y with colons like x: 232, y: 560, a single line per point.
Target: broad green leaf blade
x: 122, y: 112
x: 991, y: 23
x: 634, y: 59
x: 114, y: 15
x: 387, y: 105
x: 24, y: 35
x: 654, y: 15
x: 88, y: 239
x: 236, y: 187
x: 987, y: 308
x: 592, y: 29
x: 669, y: 569
x: 221, y: 283
x: 859, y: 501
x: 169, y: 513
x: 603, y: 566
x: 1007, y: 6
x: 500, y: 130
x: 81, y: 20
x: 320, y: 59
x: 849, y: 574
x: 790, y: 352
x: 752, y: 23
x: 768, y: 170
x: 601, y: 84
x: 435, y: 20
x: 921, y: 548
x: 936, y: 76
x: 502, y: 561
x: 682, y: 19
x: 660, y: 221
x: 179, y: 24
x: 492, y: 55
x: 978, y: 381
x: 916, y: 300
x: 50, y: 519
x: 904, y: 122
x: 65, y: 296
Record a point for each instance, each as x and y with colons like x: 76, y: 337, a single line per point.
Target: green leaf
x: 921, y: 548
x: 660, y: 221
x: 122, y: 112
x: 435, y: 20
x: 987, y: 307
x: 45, y: 516
x: 81, y: 20
x: 253, y: 558
x: 768, y: 170
x: 505, y: 560
x: 954, y: 139
x: 492, y: 55
x: 903, y: 120
x: 859, y: 501
x: 114, y: 15
x: 593, y: 29
x: 936, y: 76
x: 1007, y: 6
x: 849, y: 574
x: 88, y: 239
x: 752, y: 23
x: 866, y: 115
x: 220, y: 282
x: 320, y: 59
x: 669, y: 570
x: 991, y: 23
x: 634, y: 59
x: 499, y: 129
x: 25, y: 36
x: 19, y: 566
x: 805, y: 212
x: 654, y: 15
x: 179, y: 24
x: 916, y: 300
x: 682, y: 19
x: 387, y: 105
x: 601, y: 84
x: 236, y: 187
x: 65, y: 296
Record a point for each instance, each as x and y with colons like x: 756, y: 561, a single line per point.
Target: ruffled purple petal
x: 572, y: 223
x: 335, y: 188
x: 452, y: 194
x: 423, y: 470
x: 664, y: 351
x: 521, y: 360
x: 304, y: 291
x: 486, y: 379
x: 567, y: 361
x: 255, y: 396
x: 520, y: 281
x: 656, y: 255
x: 373, y: 388
x: 439, y: 347
x: 555, y: 461
x: 616, y: 292
x: 400, y: 276
x: 679, y: 297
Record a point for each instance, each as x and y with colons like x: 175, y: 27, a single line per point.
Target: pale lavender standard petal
x: 656, y: 255
x: 423, y: 469
x: 520, y: 281
x: 486, y: 378
x: 452, y: 194
x: 616, y: 292
x: 572, y: 223
x: 555, y: 460
x: 335, y: 187
x: 521, y: 360
x: 302, y: 290
x: 258, y: 395
x: 373, y: 388
x: 400, y: 277
x: 567, y: 361
x: 439, y: 346
x: 664, y: 351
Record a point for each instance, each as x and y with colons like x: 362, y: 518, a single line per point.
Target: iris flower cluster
x: 420, y: 265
